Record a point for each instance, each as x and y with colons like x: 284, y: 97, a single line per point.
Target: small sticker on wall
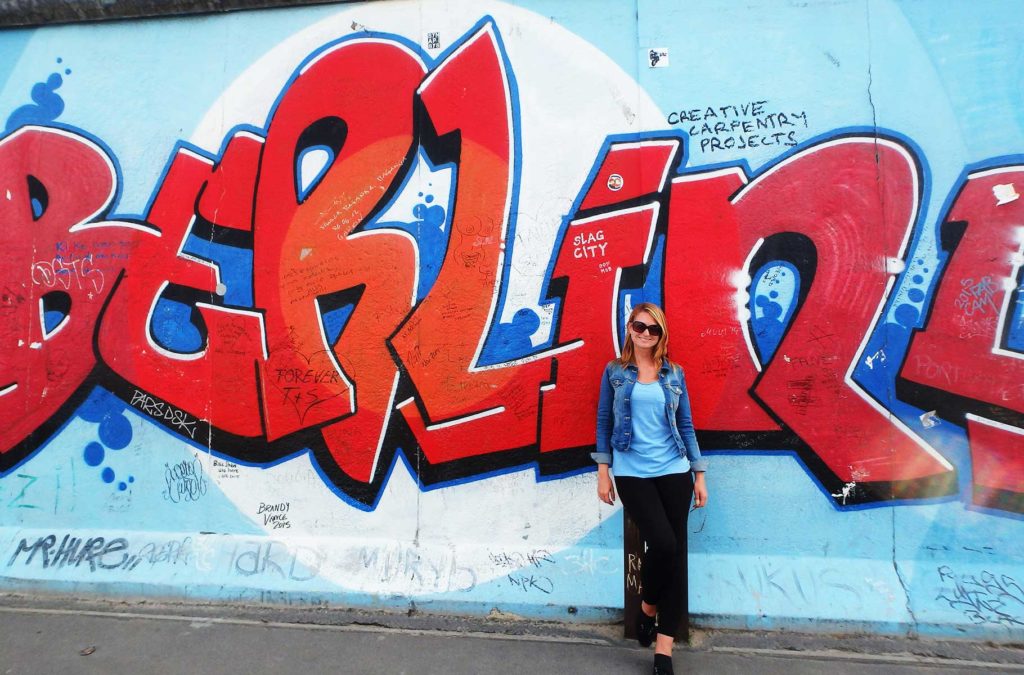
x: 615, y: 182
x: 1005, y: 194
x: 657, y: 57
x: 433, y: 40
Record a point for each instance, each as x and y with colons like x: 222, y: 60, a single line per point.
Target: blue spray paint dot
x: 906, y: 315
x: 428, y: 198
x: 93, y: 454
x: 915, y: 294
x: 917, y: 279
x: 115, y: 431
x: 60, y: 60
x: 773, y: 294
x: 107, y: 475
x: 431, y: 216
x: 122, y: 486
x: 67, y: 71
x: 47, y: 104
x: 131, y: 479
x: 920, y: 261
x: 925, y: 270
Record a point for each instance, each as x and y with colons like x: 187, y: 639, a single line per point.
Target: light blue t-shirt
x: 652, y: 450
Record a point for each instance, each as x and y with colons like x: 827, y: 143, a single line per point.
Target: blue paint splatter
x: 94, y: 454
x: 509, y: 341
x: 429, y: 231
x: 115, y: 431
x: 47, y: 106
x: 907, y: 315
x: 915, y: 295
x: 429, y: 216
x: 774, y: 292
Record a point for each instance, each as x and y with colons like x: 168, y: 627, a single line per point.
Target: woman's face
x: 644, y: 340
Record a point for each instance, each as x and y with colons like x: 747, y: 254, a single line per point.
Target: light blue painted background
x: 944, y: 75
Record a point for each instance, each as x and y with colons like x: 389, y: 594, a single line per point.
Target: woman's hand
x: 700, y: 491
x: 605, y: 488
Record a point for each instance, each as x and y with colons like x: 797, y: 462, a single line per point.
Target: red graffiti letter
x: 56, y: 272
x: 217, y: 383
x: 338, y: 140
x: 961, y: 362
x: 470, y: 93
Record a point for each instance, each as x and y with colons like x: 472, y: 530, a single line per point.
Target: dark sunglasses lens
x: 654, y: 329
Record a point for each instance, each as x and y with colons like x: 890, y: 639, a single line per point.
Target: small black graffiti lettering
x: 275, y: 516
x: 518, y: 559
x: 308, y: 376
x: 740, y: 126
x: 179, y: 419
x: 185, y: 481
x: 987, y: 598
x: 172, y: 552
x: 532, y: 582
x: 276, y: 521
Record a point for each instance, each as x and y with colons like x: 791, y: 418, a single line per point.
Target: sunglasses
x: 639, y: 327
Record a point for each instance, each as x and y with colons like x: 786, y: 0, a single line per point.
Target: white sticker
x: 1005, y: 194
x: 657, y: 57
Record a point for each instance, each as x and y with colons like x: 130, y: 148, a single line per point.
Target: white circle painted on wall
x: 558, y: 76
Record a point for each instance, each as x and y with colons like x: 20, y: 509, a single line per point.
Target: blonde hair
x: 660, y: 349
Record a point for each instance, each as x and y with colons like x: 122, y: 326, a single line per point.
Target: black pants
x: 659, y: 507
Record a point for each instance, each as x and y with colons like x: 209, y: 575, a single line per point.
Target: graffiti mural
x: 383, y: 259
x: 336, y: 342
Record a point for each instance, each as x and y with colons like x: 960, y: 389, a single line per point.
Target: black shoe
x: 645, y: 629
x: 663, y: 665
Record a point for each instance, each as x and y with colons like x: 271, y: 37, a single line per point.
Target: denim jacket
x: 614, y: 426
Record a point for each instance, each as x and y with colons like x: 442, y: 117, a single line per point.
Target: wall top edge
x: 29, y: 13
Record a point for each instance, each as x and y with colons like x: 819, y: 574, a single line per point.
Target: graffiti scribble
x: 985, y: 599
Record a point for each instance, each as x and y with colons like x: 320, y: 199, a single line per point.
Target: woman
x: 645, y: 431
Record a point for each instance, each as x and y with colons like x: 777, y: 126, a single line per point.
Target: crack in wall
x: 912, y: 630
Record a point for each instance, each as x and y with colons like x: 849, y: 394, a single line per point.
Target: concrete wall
x: 308, y: 305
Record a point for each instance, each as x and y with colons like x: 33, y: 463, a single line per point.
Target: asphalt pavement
x: 58, y: 635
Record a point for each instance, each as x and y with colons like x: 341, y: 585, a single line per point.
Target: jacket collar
x: 663, y: 370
